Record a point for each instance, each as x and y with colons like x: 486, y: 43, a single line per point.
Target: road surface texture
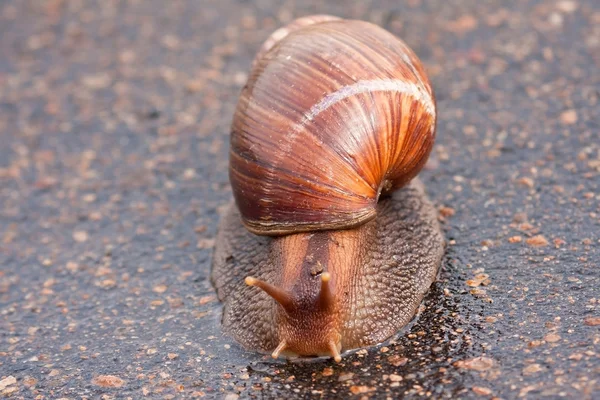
x: 114, y: 120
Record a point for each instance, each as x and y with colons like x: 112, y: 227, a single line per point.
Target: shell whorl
x: 335, y: 113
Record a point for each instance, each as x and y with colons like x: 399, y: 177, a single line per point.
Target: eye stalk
x: 325, y: 299
x: 280, y: 296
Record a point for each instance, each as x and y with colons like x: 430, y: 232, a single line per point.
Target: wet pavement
x: 114, y: 124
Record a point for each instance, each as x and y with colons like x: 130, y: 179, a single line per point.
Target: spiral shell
x: 334, y: 114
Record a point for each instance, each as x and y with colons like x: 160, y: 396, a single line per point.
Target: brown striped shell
x: 334, y: 114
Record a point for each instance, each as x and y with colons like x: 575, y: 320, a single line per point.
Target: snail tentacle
x: 280, y: 296
x: 335, y: 353
x: 281, y: 347
x: 325, y: 300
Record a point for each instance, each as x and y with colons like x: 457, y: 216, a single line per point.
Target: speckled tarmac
x: 114, y: 122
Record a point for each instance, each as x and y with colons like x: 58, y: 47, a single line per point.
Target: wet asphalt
x: 114, y: 120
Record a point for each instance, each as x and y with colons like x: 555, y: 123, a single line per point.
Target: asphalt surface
x: 114, y: 124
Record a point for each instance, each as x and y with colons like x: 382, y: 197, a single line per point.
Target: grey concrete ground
x: 114, y: 123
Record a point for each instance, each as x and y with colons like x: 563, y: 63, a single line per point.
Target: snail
x: 330, y: 244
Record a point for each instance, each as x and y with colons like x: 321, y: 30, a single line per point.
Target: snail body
x: 336, y: 116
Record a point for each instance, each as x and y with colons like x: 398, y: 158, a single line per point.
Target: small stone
x: 159, y: 288
x: 519, y: 217
x: 171, y: 42
x: 205, y: 243
x: 127, y: 56
x: 107, y: 283
x: 189, y: 173
x: 526, y: 226
x: 482, y: 391
x: 552, y: 338
x: 89, y: 198
x: 29, y: 381
x: 240, y: 77
x: 447, y: 212
x: 9, y: 391
x: 464, y: 24
x: 98, y: 81
x: 487, y: 243
x: 527, y: 182
x: 346, y: 376
x: 567, y: 6
x: 568, y: 117
x: 360, y: 389
x: 46, y: 182
x: 395, y: 378
x: 537, y: 241
x: 9, y: 380
x: 72, y: 266
x: 532, y: 369
x: 80, y: 236
x: 194, y: 85
x: 592, y: 321
x: 327, y: 371
x: 476, y: 364
x: 49, y: 283
x: 172, y: 356
x: 206, y: 299
x: 576, y: 356
x: 397, y: 361
x: 515, y: 239
x: 108, y: 381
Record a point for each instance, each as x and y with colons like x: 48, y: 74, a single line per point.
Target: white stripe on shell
x: 380, y: 85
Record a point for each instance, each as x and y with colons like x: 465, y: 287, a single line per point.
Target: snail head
x: 308, y: 322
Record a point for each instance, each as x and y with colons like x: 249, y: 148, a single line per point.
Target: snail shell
x: 336, y: 114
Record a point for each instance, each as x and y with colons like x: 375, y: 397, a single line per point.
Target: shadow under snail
x: 336, y: 115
